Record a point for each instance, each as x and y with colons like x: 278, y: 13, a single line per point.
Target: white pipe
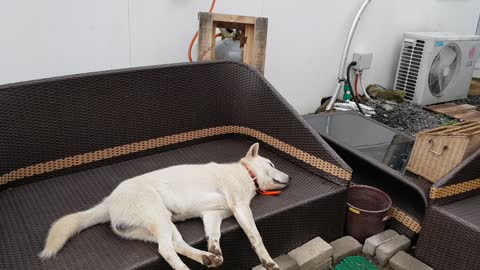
x: 346, y: 49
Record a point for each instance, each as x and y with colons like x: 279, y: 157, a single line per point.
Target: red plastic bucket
x: 367, y: 213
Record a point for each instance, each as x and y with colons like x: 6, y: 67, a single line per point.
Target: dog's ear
x: 253, y: 151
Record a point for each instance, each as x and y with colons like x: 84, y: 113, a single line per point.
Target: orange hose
x: 356, y: 84
x: 191, y: 46
x: 212, y: 6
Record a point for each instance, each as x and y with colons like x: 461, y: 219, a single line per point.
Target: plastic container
x: 228, y: 49
x: 367, y: 213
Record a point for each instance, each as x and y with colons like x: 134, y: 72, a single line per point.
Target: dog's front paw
x: 270, y: 265
x: 212, y: 260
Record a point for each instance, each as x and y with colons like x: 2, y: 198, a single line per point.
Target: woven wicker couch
x: 450, y: 238
x: 68, y: 141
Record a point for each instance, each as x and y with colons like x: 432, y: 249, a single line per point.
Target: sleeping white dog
x: 145, y: 207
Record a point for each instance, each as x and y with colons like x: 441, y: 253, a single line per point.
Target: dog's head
x: 268, y: 177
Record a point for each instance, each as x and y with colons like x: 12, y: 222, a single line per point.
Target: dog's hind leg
x: 158, y: 222
x: 163, y: 233
x: 206, y: 258
x: 133, y: 232
x: 243, y: 215
x: 212, y: 221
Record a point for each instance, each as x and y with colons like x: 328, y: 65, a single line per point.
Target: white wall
x: 56, y: 37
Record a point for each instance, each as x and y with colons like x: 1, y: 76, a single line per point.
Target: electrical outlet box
x: 363, y: 59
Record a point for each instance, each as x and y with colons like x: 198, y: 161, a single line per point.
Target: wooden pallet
x: 254, y: 34
x: 465, y: 112
x: 474, y: 88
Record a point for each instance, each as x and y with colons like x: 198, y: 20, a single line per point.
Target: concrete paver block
x: 390, y: 248
x: 326, y: 265
x: 312, y: 254
x: 285, y: 262
x: 405, y: 261
x: 375, y: 241
x: 344, y: 247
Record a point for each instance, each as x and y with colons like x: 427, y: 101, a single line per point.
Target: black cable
x: 350, y: 86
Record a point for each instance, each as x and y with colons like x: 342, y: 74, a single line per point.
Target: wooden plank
x: 441, y: 108
x: 233, y: 18
x: 260, y: 44
x: 206, y: 34
x: 472, y: 115
x: 452, y: 109
x: 254, y: 31
x: 461, y: 108
x: 435, y: 108
x: 474, y: 88
x: 231, y: 25
x: 248, y: 49
x: 214, y: 40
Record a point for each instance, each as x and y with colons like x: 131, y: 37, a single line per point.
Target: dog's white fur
x: 145, y: 207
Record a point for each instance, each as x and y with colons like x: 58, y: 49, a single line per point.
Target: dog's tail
x: 69, y: 225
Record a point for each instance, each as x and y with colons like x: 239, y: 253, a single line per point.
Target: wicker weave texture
x: 451, y: 235
x: 408, y: 192
x: 118, y: 151
x: 455, y: 189
x: 308, y: 207
x: 176, y: 114
x: 411, y: 223
x: 408, y: 209
x: 461, y: 183
x: 438, y: 151
x: 53, y: 119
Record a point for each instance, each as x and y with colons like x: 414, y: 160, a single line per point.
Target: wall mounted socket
x: 363, y: 59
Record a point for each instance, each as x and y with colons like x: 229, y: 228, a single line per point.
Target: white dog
x: 145, y: 207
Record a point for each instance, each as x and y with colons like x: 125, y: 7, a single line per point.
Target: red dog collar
x: 257, y: 186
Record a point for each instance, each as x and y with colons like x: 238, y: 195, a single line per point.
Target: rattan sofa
x: 450, y: 238
x: 67, y: 142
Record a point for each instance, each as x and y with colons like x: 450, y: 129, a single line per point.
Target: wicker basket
x: 438, y: 151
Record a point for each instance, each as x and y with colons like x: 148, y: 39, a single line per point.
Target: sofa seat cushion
x: 27, y: 211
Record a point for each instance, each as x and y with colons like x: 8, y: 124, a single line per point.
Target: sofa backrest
x: 61, y: 125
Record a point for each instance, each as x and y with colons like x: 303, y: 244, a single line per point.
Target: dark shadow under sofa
x: 67, y: 142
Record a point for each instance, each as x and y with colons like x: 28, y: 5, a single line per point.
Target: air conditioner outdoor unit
x: 436, y: 67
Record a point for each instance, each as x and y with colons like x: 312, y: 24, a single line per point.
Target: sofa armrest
x: 461, y: 183
x: 261, y: 108
x: 450, y: 236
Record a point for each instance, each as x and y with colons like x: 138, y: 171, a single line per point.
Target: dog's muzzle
x: 280, y: 182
